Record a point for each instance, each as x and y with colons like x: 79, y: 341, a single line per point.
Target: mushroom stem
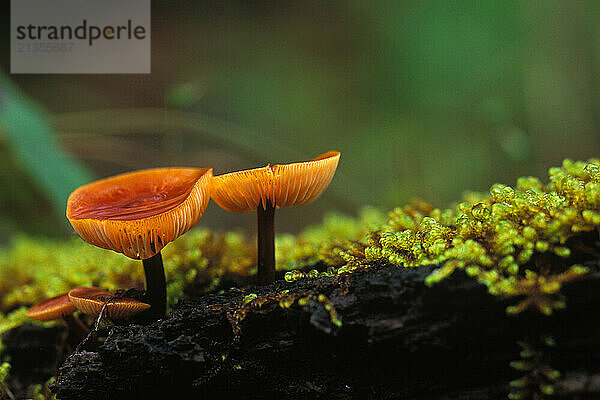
x: 156, y: 286
x: 266, y: 243
x: 76, y: 327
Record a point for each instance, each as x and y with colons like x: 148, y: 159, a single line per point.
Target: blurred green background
x: 424, y: 99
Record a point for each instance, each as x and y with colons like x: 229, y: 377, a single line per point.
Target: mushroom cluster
x: 88, y: 300
x: 139, y: 213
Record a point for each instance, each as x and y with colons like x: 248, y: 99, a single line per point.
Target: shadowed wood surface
x: 398, y: 339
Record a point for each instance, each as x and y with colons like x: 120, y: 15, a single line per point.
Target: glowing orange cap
x: 283, y: 185
x: 138, y: 213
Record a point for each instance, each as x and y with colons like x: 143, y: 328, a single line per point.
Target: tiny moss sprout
x: 250, y: 298
x: 41, y: 391
x: 538, y: 377
x: 4, y: 390
x: 324, y: 301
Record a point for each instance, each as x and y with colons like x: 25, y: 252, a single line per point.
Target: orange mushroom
x: 265, y: 189
x: 138, y: 213
x: 91, y: 300
x: 59, y: 307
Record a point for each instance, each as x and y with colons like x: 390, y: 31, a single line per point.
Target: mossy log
x: 377, y: 333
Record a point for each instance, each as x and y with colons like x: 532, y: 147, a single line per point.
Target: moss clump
x: 328, y: 241
x: 514, y: 239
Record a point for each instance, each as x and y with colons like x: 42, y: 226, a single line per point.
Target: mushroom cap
x: 89, y: 300
x: 51, y: 309
x: 138, y: 213
x: 283, y: 185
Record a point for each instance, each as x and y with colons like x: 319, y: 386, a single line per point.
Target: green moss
x: 513, y: 240
x: 326, y: 242
x: 498, y: 238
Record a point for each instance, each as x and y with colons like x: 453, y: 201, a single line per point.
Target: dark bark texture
x: 35, y: 353
x: 399, y: 340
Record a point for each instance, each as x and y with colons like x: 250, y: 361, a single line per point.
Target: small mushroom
x: 265, y: 189
x: 91, y: 300
x: 138, y: 213
x: 56, y: 308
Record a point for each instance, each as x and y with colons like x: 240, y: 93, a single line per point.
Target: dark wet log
x: 399, y: 339
x: 34, y: 353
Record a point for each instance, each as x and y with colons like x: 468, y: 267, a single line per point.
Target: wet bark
x: 34, y: 352
x: 398, y: 339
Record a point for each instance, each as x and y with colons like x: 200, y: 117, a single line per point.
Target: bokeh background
x: 423, y: 98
